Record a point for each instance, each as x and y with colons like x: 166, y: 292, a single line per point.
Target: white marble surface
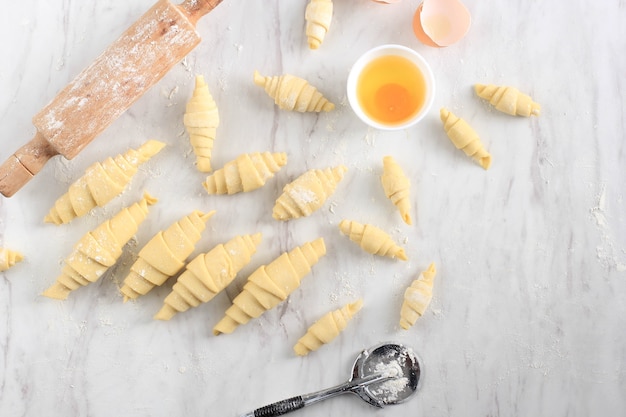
x: 528, y: 315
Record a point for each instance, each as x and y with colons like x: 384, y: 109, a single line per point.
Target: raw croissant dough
x: 101, y: 182
x: 417, y: 297
x: 508, y: 100
x: 327, y: 328
x: 246, y: 173
x: 208, y: 274
x: 99, y: 249
x: 164, y: 255
x: 464, y: 137
x: 307, y: 193
x: 271, y: 284
x: 397, y: 187
x: 293, y: 93
x: 8, y: 258
x: 372, y: 239
x: 318, y: 16
x: 201, y: 120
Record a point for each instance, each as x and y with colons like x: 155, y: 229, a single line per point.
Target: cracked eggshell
x: 419, y: 31
x: 441, y: 23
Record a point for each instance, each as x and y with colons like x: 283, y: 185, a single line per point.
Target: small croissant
x: 201, y: 120
x: 293, y: 93
x: 318, y: 16
x: 327, y: 328
x: 397, y: 187
x: 372, y: 239
x: 8, y: 258
x: 246, y: 173
x: 417, y: 297
x: 99, y: 249
x: 164, y: 255
x: 208, y: 274
x: 508, y: 100
x: 464, y: 137
x: 270, y: 285
x: 307, y: 193
x: 101, y: 182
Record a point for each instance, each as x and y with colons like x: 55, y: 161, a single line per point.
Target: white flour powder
x: 389, y: 391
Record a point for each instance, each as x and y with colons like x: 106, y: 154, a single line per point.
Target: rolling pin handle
x: 195, y: 9
x: 22, y: 166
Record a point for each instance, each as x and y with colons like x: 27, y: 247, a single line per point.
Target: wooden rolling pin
x: 131, y: 65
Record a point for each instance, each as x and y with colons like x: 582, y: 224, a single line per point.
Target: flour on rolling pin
x: 162, y: 37
x: 105, y: 89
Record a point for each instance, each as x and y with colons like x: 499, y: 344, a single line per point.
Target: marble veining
x: 528, y: 314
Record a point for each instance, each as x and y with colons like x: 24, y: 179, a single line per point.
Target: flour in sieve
x: 390, y: 391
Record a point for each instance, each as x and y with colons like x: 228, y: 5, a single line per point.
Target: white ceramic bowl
x: 385, y: 50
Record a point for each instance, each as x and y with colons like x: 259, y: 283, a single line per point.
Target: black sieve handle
x: 278, y: 408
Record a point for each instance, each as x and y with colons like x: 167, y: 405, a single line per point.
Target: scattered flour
x: 607, y: 254
x: 302, y: 195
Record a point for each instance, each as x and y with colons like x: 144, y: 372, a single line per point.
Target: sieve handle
x: 295, y: 403
x: 278, y: 408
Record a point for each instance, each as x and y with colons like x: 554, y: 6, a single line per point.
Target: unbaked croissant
x: 464, y: 137
x: 99, y: 249
x: 271, y: 284
x: 208, y: 274
x: 293, y: 93
x: 397, y: 187
x: 101, y: 182
x: 164, y: 255
x: 508, y: 100
x: 307, y: 193
x: 327, y: 328
x: 417, y: 297
x: 201, y: 120
x: 318, y: 16
x: 372, y: 239
x: 9, y: 258
x: 246, y: 173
